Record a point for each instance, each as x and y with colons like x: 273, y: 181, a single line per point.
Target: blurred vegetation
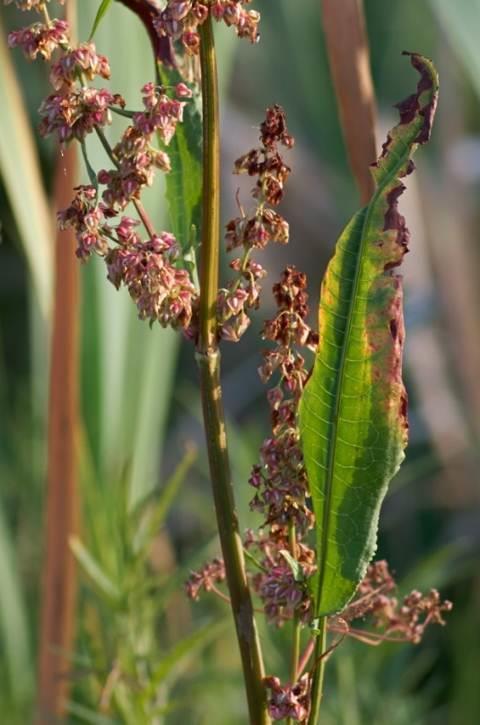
x: 140, y: 399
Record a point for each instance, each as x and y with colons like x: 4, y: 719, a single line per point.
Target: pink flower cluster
x: 281, y: 588
x: 211, y: 574
x: 136, y: 158
x: 264, y: 225
x: 162, y: 292
x: 72, y: 111
x: 76, y: 113
x: 181, y: 18
x: 40, y: 39
x: 290, y: 700
x: 81, y: 61
x: 88, y: 221
x: 387, y: 617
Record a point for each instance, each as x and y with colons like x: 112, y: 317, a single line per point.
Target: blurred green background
x: 139, y: 389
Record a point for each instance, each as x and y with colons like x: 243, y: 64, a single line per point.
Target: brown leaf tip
x: 410, y: 107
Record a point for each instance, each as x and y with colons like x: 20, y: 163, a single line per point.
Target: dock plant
x: 338, y: 431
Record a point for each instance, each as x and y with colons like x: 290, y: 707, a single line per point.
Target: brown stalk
x: 349, y: 58
x: 57, y: 628
x: 57, y: 623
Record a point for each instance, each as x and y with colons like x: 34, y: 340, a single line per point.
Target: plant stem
x: 58, y: 599
x: 319, y: 663
x: 208, y: 359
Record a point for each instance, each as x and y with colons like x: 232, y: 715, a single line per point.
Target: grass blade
x: 102, y: 10
x: 20, y: 172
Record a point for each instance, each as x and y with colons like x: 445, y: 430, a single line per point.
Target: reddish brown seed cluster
x: 256, y: 230
x: 384, y: 616
x: 289, y: 700
x: 206, y: 578
x: 280, y: 480
x: 180, y: 20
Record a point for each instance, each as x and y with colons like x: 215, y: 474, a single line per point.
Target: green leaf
x: 101, y: 12
x: 353, y: 411
x: 154, y: 510
x: 127, y: 367
x: 181, y: 652
x: 184, y: 181
x: 86, y: 715
x: 93, y: 570
x: 293, y: 564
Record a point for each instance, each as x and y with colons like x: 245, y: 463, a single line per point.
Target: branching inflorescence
x: 153, y: 269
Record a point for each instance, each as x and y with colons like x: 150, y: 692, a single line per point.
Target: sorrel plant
x: 338, y: 432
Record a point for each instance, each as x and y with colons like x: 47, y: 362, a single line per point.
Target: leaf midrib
x: 333, y: 438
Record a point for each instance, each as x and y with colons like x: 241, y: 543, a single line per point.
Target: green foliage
x: 20, y: 173
x: 126, y: 660
x: 353, y: 411
x: 127, y: 368
x: 184, y: 182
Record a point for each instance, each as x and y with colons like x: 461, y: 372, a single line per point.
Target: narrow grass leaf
x: 159, y: 503
x: 102, y: 10
x: 183, y: 650
x: 353, y: 411
x: 14, y: 634
x: 86, y: 715
x: 93, y: 570
x: 20, y: 171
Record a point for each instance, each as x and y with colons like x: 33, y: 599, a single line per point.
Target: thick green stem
x: 319, y: 663
x: 208, y: 359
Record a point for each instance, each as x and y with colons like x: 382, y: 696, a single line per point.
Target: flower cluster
x: 83, y: 61
x: 281, y: 581
x: 290, y: 700
x: 255, y: 231
x: 280, y: 479
x: 181, y: 19
x: 161, y: 290
x: 40, y: 39
x: 75, y: 114
x: 386, y: 617
x: 206, y: 578
x: 150, y: 269
x: 135, y: 157
x: 88, y: 221
x: 74, y: 110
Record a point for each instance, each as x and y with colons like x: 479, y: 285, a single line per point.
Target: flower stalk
x: 318, y: 674
x: 208, y: 359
